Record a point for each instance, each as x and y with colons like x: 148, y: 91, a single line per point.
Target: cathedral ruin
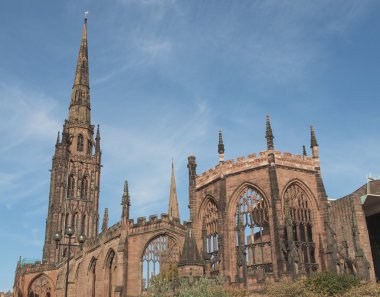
x: 254, y: 220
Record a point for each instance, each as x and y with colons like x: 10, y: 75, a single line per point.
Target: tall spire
x: 173, y: 201
x: 80, y: 97
x: 221, y: 147
x: 269, y: 134
x: 313, y: 142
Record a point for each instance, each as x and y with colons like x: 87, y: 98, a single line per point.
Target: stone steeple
x: 173, y: 211
x: 80, y: 97
x: 76, y: 166
x: 269, y: 134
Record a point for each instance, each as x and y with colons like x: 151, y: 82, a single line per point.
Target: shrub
x: 365, y: 290
x: 331, y: 284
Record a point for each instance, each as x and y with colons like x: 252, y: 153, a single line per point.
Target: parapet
x: 253, y: 161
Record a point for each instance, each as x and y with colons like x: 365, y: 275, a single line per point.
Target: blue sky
x: 165, y: 76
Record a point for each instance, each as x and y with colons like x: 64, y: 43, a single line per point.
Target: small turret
x: 190, y: 262
x: 105, y: 220
x: 97, y: 141
x: 221, y: 147
x: 126, y: 203
x: 269, y: 135
x: 313, y: 142
x: 304, y: 153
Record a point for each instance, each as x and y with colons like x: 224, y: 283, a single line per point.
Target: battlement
x: 153, y: 223
x: 252, y: 161
x: 36, y: 267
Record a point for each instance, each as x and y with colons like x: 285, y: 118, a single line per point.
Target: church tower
x: 75, y: 173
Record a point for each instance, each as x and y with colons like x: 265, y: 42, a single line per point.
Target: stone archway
x: 40, y: 287
x: 373, y: 223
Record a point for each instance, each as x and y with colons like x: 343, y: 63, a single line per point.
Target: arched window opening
x: 83, y: 225
x: 74, y: 222
x: 210, y: 237
x: 40, y: 287
x: 89, y: 147
x: 84, y: 188
x: 92, y: 279
x: 160, y: 260
x: 67, y: 221
x: 80, y: 142
x: 110, y: 268
x: 300, y: 238
x: 71, y: 186
x: 254, y: 255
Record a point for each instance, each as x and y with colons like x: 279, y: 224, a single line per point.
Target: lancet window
x: 210, y: 237
x: 80, y: 142
x: 253, y: 237
x: 159, y: 259
x: 89, y: 147
x: 71, y: 186
x: 84, y: 188
x: 92, y: 279
x: 83, y: 225
x: 40, y: 287
x: 300, y: 239
x: 110, y: 267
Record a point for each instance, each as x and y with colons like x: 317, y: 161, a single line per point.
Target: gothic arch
x: 300, y: 214
x: 91, y: 264
x: 91, y: 272
x: 110, y: 265
x: 249, y: 213
x: 209, y: 218
x: 41, y: 286
x: 159, y: 256
x: 305, y: 188
x: 231, y: 204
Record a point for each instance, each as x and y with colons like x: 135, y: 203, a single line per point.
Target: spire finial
x: 126, y: 199
x: 97, y: 141
x: 269, y: 134
x: 221, y: 147
x: 105, y: 220
x: 313, y: 138
x: 85, y: 16
x: 58, y: 139
x: 173, y: 211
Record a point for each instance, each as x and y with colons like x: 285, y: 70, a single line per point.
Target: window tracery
x: 299, y: 217
x: 254, y: 253
x: 210, y: 236
x: 159, y: 259
x: 40, y: 287
x: 92, y: 278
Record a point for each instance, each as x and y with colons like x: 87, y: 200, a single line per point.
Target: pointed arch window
x: 71, y: 186
x: 84, y: 188
x: 83, y: 225
x: 210, y: 236
x: 110, y: 267
x: 74, y: 222
x: 92, y: 279
x: 89, y: 147
x: 80, y: 142
x: 254, y: 255
x: 160, y: 258
x: 299, y: 234
x: 40, y: 287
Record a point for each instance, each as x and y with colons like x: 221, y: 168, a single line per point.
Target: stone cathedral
x: 253, y: 220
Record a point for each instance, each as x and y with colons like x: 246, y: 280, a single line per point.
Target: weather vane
x: 86, y: 14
